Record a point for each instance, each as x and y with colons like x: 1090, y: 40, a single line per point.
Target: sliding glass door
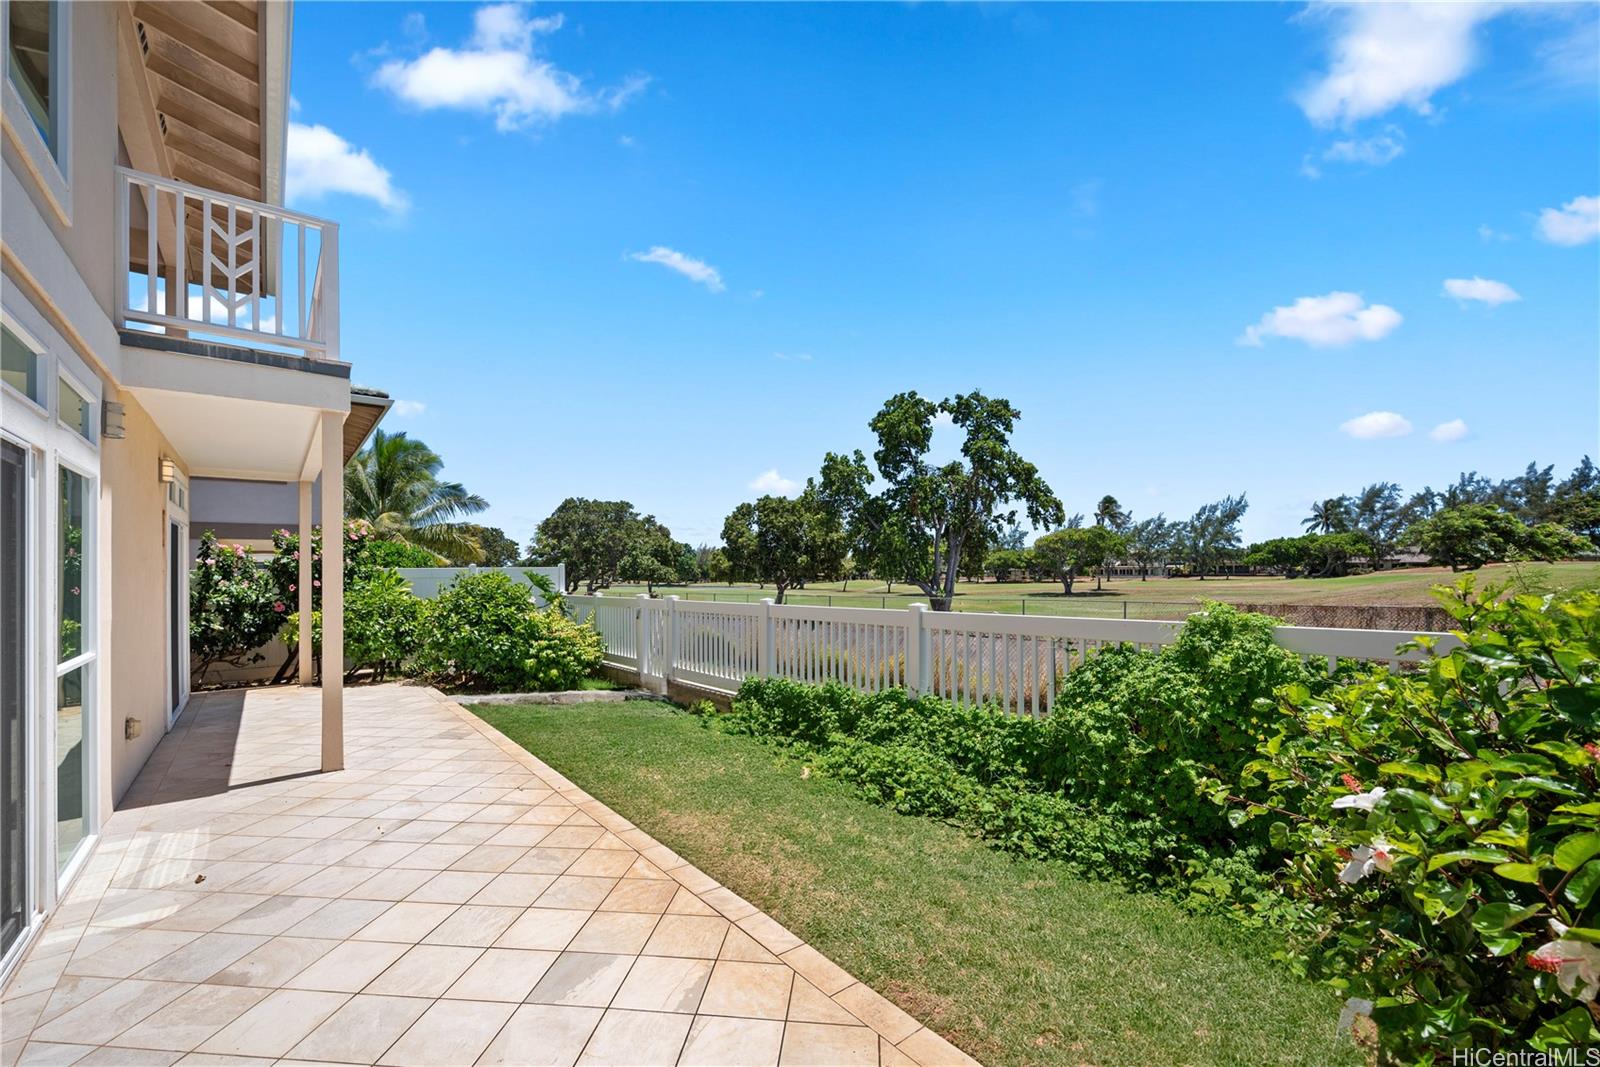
x: 16, y: 653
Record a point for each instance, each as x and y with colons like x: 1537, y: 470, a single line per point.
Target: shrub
x: 382, y: 623
x: 398, y: 554
x: 1441, y: 829
x: 234, y: 605
x: 486, y: 632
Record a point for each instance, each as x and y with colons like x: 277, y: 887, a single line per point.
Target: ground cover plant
x: 1109, y: 782
x: 1018, y: 961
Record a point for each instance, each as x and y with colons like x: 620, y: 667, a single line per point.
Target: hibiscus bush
x: 1441, y: 829
x: 235, y: 606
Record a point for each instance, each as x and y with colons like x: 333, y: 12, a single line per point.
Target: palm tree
x: 1109, y: 513
x: 1329, y: 516
x: 394, y: 484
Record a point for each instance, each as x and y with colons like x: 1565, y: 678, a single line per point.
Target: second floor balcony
x: 204, y: 265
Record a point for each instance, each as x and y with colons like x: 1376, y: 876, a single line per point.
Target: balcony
x: 251, y: 274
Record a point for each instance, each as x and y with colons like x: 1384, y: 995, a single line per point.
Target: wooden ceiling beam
x: 242, y: 13
x: 203, y: 173
x: 197, y: 144
x: 177, y: 102
x: 178, y: 21
x: 202, y: 29
x: 168, y: 69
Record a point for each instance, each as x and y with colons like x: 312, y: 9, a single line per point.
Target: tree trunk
x: 780, y: 587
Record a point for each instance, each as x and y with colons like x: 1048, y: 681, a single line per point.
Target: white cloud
x: 1373, y: 151
x: 694, y: 269
x: 1483, y: 290
x: 322, y: 162
x: 771, y: 483
x: 1388, y: 55
x: 792, y: 357
x: 1375, y: 424
x: 497, y: 71
x: 1489, y: 233
x: 405, y: 409
x: 1576, y: 222
x: 1454, y: 430
x: 943, y: 418
x: 1325, y: 321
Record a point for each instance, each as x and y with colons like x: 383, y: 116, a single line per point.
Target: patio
x: 445, y: 899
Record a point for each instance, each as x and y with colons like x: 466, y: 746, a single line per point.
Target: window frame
x: 44, y: 367
x: 51, y: 165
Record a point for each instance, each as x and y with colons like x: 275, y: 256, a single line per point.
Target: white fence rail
x: 1010, y: 661
x: 196, y: 262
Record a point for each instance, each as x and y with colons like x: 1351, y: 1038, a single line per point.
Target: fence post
x: 672, y: 638
x: 641, y: 643
x: 917, y: 649
x: 769, y: 643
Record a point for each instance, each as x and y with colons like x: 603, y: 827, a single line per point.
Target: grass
x: 1015, y: 961
x: 1164, y: 597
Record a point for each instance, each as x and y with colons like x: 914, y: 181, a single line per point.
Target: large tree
x: 930, y: 511
x: 785, y: 541
x: 1328, y: 516
x: 593, y: 537
x: 1150, y: 541
x: 1212, y: 534
x: 1466, y: 536
x: 495, y: 549
x: 1077, y: 550
x: 1109, y: 513
x: 394, y: 484
x: 1379, y: 518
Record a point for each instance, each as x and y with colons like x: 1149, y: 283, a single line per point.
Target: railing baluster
x: 152, y: 223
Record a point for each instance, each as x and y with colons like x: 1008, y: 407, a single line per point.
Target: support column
x: 332, y: 590
x: 302, y: 586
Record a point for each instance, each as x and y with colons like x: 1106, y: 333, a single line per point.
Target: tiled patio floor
x: 445, y: 899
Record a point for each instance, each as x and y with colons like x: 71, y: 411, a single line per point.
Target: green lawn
x: 1015, y: 961
x: 1164, y: 598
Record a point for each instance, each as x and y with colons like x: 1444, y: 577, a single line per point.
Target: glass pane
x: 75, y: 412
x: 32, y: 45
x: 74, y: 512
x: 19, y: 366
x: 69, y: 764
x: 13, y: 692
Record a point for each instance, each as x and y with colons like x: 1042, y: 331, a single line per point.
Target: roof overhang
x: 367, y: 409
x: 206, y: 99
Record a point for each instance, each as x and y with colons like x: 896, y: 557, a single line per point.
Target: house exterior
x: 166, y: 319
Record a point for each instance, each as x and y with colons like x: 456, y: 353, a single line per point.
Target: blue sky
x: 661, y: 252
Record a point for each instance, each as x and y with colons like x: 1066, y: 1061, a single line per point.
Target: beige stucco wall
x: 133, y: 494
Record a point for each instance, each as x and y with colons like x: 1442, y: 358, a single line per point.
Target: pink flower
x: 291, y: 588
x: 1593, y: 750
x: 1351, y: 782
x: 316, y: 583
x: 277, y: 606
x: 297, y: 554
x: 74, y: 590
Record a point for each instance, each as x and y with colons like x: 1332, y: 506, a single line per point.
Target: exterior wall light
x: 169, y: 470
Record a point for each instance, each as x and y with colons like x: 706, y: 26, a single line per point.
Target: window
x: 74, y: 506
x: 34, y: 45
x: 75, y: 659
x: 19, y: 366
x: 76, y: 410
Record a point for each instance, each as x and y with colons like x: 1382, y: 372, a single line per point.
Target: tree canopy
x: 598, y: 540
x: 925, y: 514
x: 394, y: 484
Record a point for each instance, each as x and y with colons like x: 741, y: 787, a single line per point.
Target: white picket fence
x: 1011, y: 661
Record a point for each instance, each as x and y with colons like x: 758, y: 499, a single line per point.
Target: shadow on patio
x: 445, y: 899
